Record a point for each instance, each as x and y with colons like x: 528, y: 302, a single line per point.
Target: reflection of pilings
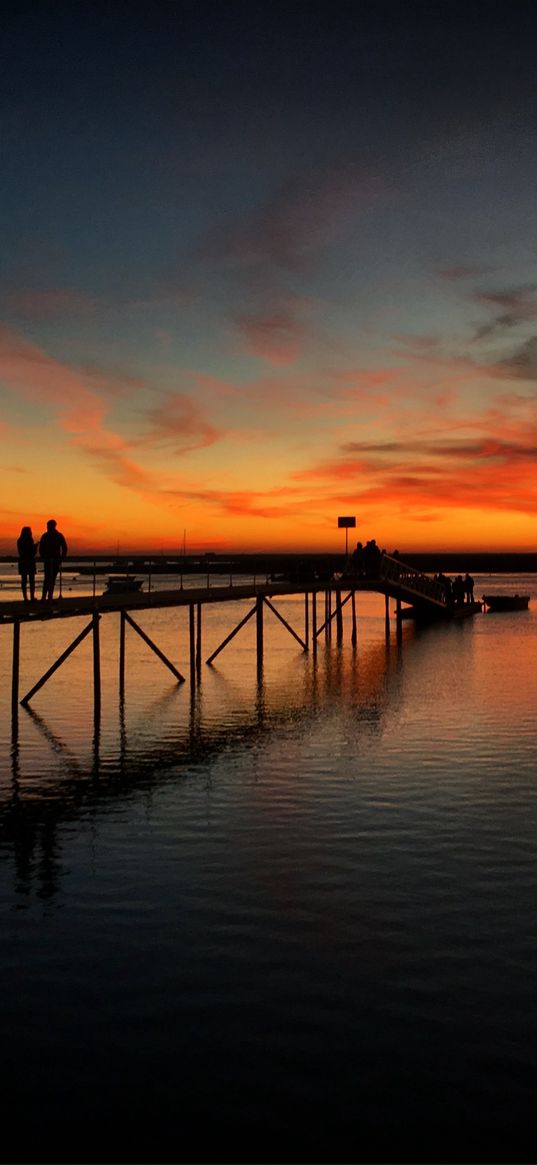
x: 354, y: 634
x: 15, y: 668
x: 387, y: 616
x: 307, y: 621
x: 314, y: 622
x: 15, y: 766
x: 198, y: 643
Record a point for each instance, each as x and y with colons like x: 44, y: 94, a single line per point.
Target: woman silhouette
x: 26, y: 550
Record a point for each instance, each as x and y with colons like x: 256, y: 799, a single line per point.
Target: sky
x: 268, y: 264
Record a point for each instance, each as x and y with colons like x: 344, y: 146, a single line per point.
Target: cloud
x: 522, y: 362
x: 50, y: 305
x: 508, y: 308
x: 179, y: 420
x: 262, y: 258
x: 275, y: 336
x: 303, y: 215
x: 495, y: 469
x: 77, y: 399
x: 64, y: 304
x: 457, y: 274
x: 25, y: 367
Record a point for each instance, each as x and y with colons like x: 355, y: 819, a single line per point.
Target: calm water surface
x: 291, y: 917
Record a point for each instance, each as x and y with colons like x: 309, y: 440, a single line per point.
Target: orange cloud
x: 81, y: 411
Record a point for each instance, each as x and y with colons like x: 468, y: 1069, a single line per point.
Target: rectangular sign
x: 343, y: 522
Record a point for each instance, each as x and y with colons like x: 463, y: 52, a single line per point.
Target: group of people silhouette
x: 365, y: 560
x: 52, y: 549
x: 365, y: 563
x: 458, y: 590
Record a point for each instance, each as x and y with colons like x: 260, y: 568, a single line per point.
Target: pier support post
x: 96, y: 665
x: 398, y: 622
x: 192, y: 639
x: 122, y: 622
x: 15, y: 667
x: 198, y: 643
x: 354, y: 633
x: 339, y: 617
x: 307, y: 621
x: 387, y: 615
x: 259, y: 629
x: 314, y: 622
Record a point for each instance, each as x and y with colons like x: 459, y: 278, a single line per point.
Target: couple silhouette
x: 52, y: 549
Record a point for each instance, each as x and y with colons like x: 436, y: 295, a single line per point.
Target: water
x: 290, y: 919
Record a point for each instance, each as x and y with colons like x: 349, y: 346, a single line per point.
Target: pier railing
x: 412, y: 582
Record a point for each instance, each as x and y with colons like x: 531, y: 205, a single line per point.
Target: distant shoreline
x: 428, y: 561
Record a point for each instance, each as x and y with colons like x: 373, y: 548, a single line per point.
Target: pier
x: 424, y: 599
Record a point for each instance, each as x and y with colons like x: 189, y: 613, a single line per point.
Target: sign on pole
x: 346, y: 524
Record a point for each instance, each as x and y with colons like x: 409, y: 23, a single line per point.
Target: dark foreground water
x: 293, y: 918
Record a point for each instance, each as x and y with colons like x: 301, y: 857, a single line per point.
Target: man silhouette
x: 52, y: 550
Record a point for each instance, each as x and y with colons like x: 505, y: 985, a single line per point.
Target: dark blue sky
x: 268, y: 240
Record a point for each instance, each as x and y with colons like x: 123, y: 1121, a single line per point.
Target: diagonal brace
x: 286, y: 624
x: 153, y: 646
x: 334, y: 613
x: 232, y: 635
x: 61, y: 659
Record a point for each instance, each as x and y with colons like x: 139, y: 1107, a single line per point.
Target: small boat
x: 506, y: 602
x: 123, y: 584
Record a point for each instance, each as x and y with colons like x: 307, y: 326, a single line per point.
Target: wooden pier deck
x: 68, y: 606
x: 425, y: 598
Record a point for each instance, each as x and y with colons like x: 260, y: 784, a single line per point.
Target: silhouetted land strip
x: 478, y: 562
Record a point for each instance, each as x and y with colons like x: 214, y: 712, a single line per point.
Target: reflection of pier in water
x: 425, y: 599
x: 360, y: 685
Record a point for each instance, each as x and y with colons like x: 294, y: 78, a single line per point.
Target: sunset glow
x: 243, y: 298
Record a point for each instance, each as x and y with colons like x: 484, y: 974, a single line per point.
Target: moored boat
x: 506, y: 602
x: 121, y: 584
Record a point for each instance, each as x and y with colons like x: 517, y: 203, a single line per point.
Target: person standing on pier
x: 469, y: 588
x: 357, y: 560
x: 52, y: 550
x: 26, y: 550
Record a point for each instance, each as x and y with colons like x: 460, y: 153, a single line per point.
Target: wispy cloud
x: 457, y: 274
x: 265, y: 258
x: 48, y: 304
x: 275, y: 336
x: 508, y: 308
x: 285, y: 232
x: 494, y: 468
x: 180, y: 421
x: 521, y: 363
x: 79, y: 403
